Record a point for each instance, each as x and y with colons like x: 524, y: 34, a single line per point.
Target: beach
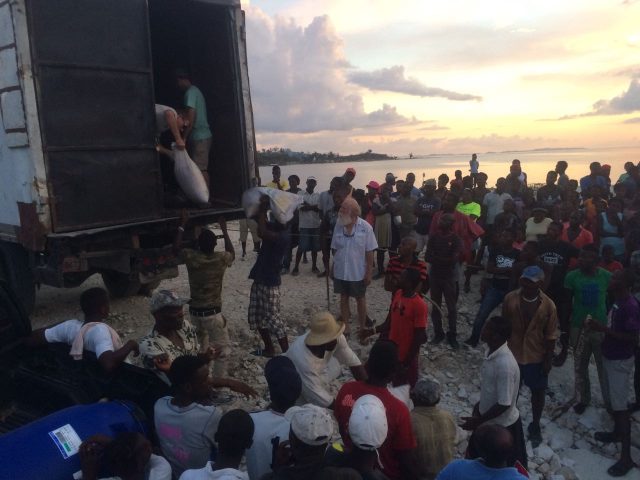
x: 568, y: 449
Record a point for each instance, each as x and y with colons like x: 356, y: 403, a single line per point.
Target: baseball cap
x: 350, y: 170
x: 310, y: 424
x: 431, y: 182
x: 426, y: 391
x: 312, y: 178
x: 533, y: 273
x: 166, y: 298
x: 373, y: 184
x: 283, y: 379
x: 368, y: 423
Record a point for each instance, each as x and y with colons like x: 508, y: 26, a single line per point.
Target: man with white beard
x: 353, y: 246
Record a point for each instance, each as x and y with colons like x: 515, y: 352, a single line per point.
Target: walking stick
x: 326, y: 278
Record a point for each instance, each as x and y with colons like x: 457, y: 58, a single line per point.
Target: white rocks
x: 559, y: 438
x: 543, y: 451
x: 462, y: 392
x: 592, y: 419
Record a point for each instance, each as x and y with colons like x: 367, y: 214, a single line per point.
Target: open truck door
x: 94, y: 84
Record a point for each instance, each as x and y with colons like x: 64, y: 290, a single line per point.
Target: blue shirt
x: 476, y: 470
x: 587, y: 182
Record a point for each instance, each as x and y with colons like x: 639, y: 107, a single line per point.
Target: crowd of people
x: 559, y: 260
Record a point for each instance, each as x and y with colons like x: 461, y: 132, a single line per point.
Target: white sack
x: 190, y: 177
x: 283, y: 204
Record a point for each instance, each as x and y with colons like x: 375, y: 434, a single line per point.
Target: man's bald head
x: 494, y: 443
x: 349, y: 211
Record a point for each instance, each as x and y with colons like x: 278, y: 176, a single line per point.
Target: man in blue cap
x: 534, y: 322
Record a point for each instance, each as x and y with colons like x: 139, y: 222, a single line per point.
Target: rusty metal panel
x: 94, y: 83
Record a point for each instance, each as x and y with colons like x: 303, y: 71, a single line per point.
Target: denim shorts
x: 534, y: 376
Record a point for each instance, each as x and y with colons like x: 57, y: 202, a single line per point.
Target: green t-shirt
x: 471, y: 208
x: 193, y: 98
x: 205, y: 276
x: 589, y: 295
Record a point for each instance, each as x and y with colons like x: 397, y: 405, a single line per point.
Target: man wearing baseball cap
x: 173, y: 336
x: 534, y: 321
x: 309, y: 226
x: 310, y: 434
x: 317, y: 356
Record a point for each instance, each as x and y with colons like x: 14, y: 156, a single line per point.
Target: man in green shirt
x: 588, y: 284
x: 206, y: 270
x: 197, y: 132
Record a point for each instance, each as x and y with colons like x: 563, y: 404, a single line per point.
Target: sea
x: 536, y: 163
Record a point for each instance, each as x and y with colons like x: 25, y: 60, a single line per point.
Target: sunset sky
x: 428, y: 76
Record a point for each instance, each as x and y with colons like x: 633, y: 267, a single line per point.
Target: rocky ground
x: 568, y: 452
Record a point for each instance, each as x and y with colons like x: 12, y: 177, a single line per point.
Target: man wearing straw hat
x: 317, y: 356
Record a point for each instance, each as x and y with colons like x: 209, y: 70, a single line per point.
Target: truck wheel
x: 15, y: 269
x: 121, y: 284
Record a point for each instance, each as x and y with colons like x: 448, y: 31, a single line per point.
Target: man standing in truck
x: 197, y: 132
x: 206, y: 269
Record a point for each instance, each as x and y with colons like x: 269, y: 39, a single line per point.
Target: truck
x: 83, y: 190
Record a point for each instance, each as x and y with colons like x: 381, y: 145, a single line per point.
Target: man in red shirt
x: 396, y: 451
x: 406, y: 326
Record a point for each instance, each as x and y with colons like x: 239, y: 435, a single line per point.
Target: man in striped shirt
x: 406, y: 259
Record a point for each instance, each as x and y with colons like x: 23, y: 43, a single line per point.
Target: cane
x: 326, y: 278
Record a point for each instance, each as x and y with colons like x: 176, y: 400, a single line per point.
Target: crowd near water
x: 559, y: 265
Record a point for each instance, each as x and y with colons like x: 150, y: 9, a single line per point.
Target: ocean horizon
x: 536, y: 163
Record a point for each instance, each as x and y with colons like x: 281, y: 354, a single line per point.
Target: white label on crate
x: 67, y: 440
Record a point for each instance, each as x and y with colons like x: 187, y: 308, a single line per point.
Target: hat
x: 430, y: 183
x: 323, y: 328
x: 389, y: 175
x: 310, y: 424
x: 373, y: 184
x: 166, y: 298
x: 285, y: 385
x: 181, y: 72
x: 539, y: 209
x: 427, y: 391
x: 368, y: 423
x: 350, y: 170
x: 533, y: 273
x: 312, y: 178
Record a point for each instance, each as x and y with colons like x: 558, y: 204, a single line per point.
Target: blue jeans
x: 492, y: 298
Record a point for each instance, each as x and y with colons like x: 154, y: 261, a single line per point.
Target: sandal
x: 606, y: 437
x: 620, y: 469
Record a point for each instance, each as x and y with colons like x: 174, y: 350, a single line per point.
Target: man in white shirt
x: 92, y: 334
x: 493, y: 202
x: 186, y: 423
x: 233, y: 437
x: 499, y: 386
x: 309, y: 226
x: 271, y: 426
x: 353, y: 245
x: 317, y: 356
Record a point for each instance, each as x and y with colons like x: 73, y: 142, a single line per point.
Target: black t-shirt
x: 267, y: 267
x: 556, y: 255
x: 426, y: 205
x: 503, y: 258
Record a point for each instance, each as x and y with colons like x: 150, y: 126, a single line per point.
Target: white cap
x: 368, y: 423
x: 311, y: 424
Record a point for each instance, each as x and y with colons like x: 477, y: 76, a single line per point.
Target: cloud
x: 299, y: 79
x: 393, y: 79
x: 632, y: 120
x: 626, y: 102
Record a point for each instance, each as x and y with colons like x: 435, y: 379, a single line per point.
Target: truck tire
x: 121, y: 284
x: 15, y: 269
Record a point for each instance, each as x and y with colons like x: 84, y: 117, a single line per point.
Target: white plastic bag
x: 190, y: 177
x: 283, y: 204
